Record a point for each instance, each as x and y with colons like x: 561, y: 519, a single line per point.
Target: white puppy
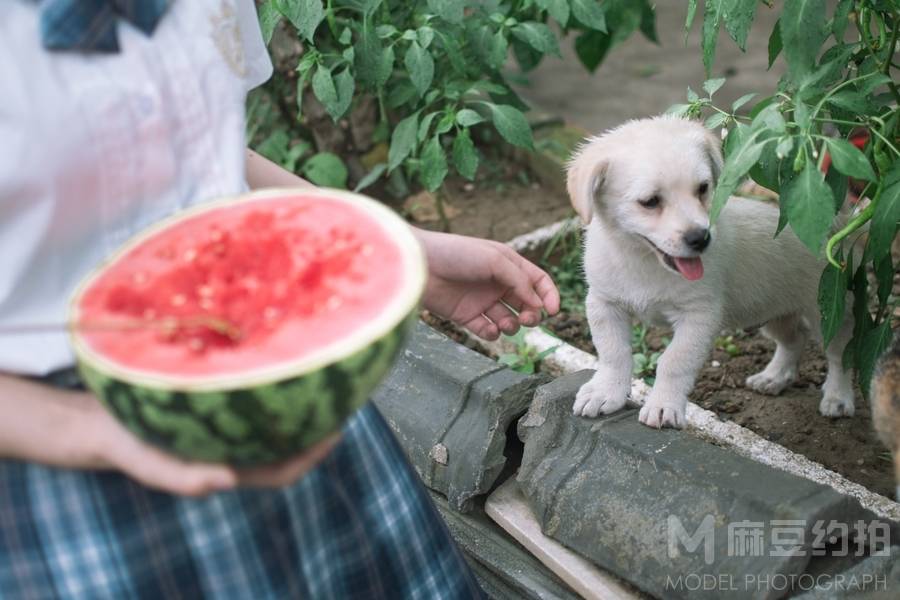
x: 644, y: 190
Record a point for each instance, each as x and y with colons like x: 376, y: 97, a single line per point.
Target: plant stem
x: 857, y: 222
x: 439, y: 203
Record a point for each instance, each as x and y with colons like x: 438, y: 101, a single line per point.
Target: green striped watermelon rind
x: 273, y: 413
x: 250, y: 426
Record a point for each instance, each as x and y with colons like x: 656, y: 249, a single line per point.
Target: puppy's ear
x: 712, y: 148
x: 584, y: 176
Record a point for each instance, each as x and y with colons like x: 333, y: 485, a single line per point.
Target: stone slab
x: 506, y: 570
x: 451, y: 407
x: 508, y: 508
x: 615, y: 491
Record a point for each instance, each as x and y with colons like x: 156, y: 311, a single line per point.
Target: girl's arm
x: 262, y: 172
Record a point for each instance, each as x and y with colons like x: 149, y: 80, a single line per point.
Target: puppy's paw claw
x: 594, y: 399
x: 765, y: 383
x: 658, y: 415
x: 836, y: 406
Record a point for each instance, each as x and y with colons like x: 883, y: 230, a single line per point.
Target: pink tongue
x: 690, y: 268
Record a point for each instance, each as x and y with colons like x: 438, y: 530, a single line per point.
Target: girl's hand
x: 483, y: 285
x: 117, y: 448
x: 73, y: 430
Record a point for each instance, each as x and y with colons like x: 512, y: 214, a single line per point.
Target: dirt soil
x: 504, y: 203
x: 847, y: 446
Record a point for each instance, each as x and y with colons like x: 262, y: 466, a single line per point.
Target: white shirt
x: 95, y: 147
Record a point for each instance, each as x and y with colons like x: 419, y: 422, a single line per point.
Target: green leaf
x: 425, y: 125
x: 679, y: 110
x: 691, y: 13
x: 269, y: 18
x: 715, y: 120
x: 738, y: 16
x: 775, y: 43
x: 327, y: 170
x: 305, y: 15
x: 851, y: 101
x: 468, y: 117
x: 446, y: 123
x: 711, y: 86
x: 869, y: 84
x: 742, y: 101
x: 712, y: 20
x: 874, y: 343
x: 886, y: 216
x: 451, y: 11
x: 832, y: 300
x: 590, y: 14
x: 849, y: 160
x: 841, y: 18
x: 558, y: 9
x: 420, y: 65
x: 538, y: 36
x: 403, y: 140
x: 465, y: 157
x: 512, y: 125
x: 374, y: 63
x: 884, y: 273
x: 807, y: 201
x: 425, y: 36
x: 371, y: 177
x: 744, y: 156
x: 591, y: 48
x: 433, y: 169
x: 784, y: 147
x: 323, y: 88
x: 802, y: 32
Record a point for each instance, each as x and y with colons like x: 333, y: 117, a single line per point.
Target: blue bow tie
x: 90, y: 25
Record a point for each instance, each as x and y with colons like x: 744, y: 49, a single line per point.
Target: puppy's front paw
x: 661, y: 413
x: 596, y: 397
x: 769, y: 383
x: 837, y: 406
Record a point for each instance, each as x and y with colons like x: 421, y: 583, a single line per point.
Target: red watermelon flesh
x: 242, y: 287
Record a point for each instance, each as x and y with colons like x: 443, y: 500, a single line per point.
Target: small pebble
x: 716, y: 364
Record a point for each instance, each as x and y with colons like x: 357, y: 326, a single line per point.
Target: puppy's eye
x: 702, y: 188
x: 651, y: 202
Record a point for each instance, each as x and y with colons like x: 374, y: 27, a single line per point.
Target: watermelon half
x: 248, y: 329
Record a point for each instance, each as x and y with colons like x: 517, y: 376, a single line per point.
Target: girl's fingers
x: 505, y: 319
x: 483, y: 328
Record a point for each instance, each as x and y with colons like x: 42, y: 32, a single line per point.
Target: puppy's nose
x: 697, y: 239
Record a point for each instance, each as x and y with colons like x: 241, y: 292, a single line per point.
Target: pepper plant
x: 438, y: 68
x: 834, y: 118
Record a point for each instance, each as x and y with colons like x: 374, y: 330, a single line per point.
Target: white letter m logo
x: 705, y: 534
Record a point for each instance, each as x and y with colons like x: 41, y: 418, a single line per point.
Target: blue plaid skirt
x: 361, y: 525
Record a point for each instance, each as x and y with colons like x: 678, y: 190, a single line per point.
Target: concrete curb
x: 451, y: 407
x: 569, y: 359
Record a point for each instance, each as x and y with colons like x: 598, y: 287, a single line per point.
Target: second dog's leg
x: 837, y: 391
x: 789, y: 334
x: 608, y: 389
x: 677, y: 370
